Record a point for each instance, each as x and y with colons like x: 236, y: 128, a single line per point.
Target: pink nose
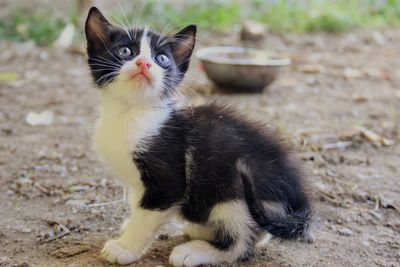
x: 143, y: 64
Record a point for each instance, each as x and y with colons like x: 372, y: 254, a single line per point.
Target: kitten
x: 228, y: 179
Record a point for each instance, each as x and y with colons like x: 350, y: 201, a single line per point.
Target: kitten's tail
x: 292, y: 225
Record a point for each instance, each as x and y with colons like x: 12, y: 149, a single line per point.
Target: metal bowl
x: 239, y: 68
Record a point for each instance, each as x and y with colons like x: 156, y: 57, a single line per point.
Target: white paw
x: 191, y: 254
x: 115, y: 253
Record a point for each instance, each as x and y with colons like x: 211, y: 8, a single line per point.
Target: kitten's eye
x: 124, y: 52
x: 163, y: 60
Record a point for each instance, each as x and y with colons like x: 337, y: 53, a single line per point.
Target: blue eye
x: 124, y: 52
x: 163, y: 60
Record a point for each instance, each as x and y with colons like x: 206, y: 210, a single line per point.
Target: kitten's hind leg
x: 198, y: 231
x: 233, y: 238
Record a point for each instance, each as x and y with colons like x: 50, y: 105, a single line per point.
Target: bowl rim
x: 203, y: 55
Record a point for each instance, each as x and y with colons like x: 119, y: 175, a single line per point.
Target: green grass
x: 40, y: 27
x: 220, y: 15
x: 207, y: 14
x: 329, y: 16
x: 279, y: 15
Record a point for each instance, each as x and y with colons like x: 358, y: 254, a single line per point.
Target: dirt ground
x: 59, y: 204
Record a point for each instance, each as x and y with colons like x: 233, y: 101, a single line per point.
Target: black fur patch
x: 217, y: 139
x: 162, y: 166
x: 223, y: 240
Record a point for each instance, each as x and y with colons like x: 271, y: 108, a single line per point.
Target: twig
x: 338, y: 145
x: 105, y: 203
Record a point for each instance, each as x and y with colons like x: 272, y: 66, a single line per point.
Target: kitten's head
x: 136, y: 63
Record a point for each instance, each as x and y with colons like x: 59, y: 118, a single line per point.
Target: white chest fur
x: 121, y: 130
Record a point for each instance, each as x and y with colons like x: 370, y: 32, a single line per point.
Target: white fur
x: 236, y: 219
x: 274, y: 209
x: 194, y: 253
x: 115, y: 253
x: 121, y: 130
x: 131, y: 111
x: 198, y: 231
x: 234, y: 215
x: 136, y: 237
x: 145, y: 50
x: 242, y: 167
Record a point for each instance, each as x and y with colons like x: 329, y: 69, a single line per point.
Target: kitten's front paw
x: 115, y: 253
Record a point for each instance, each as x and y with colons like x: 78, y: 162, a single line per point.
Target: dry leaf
x: 58, y: 230
x: 9, y: 76
x: 375, y: 73
x: 374, y: 137
x: 308, y: 68
x: 349, y: 134
x: 288, y: 82
x: 359, y: 98
x: 70, y: 251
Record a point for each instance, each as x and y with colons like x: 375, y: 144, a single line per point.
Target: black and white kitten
x: 228, y: 179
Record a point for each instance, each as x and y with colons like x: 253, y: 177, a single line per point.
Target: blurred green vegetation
x: 279, y: 15
x: 218, y: 15
x: 40, y: 25
x: 22, y: 26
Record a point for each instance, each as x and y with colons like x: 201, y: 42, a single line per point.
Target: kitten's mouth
x: 142, y: 74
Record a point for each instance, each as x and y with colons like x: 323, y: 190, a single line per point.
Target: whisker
x: 136, y: 16
x: 111, y: 62
x: 165, y: 32
x: 100, y: 70
x: 104, y: 60
x: 122, y: 25
x: 180, y: 38
x: 103, y: 65
x: 109, y: 81
x: 105, y: 46
x: 124, y: 14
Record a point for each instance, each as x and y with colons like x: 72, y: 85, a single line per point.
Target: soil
x: 59, y: 203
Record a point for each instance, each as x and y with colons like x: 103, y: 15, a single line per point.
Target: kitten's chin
x: 138, y: 81
x: 142, y: 77
x: 135, y: 91
x: 139, y: 84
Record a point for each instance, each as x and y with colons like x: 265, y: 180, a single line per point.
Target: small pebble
x: 26, y: 230
x: 345, y: 231
x: 4, y: 259
x: 163, y: 237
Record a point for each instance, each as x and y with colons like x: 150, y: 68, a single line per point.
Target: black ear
x: 182, y: 46
x: 96, y: 30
